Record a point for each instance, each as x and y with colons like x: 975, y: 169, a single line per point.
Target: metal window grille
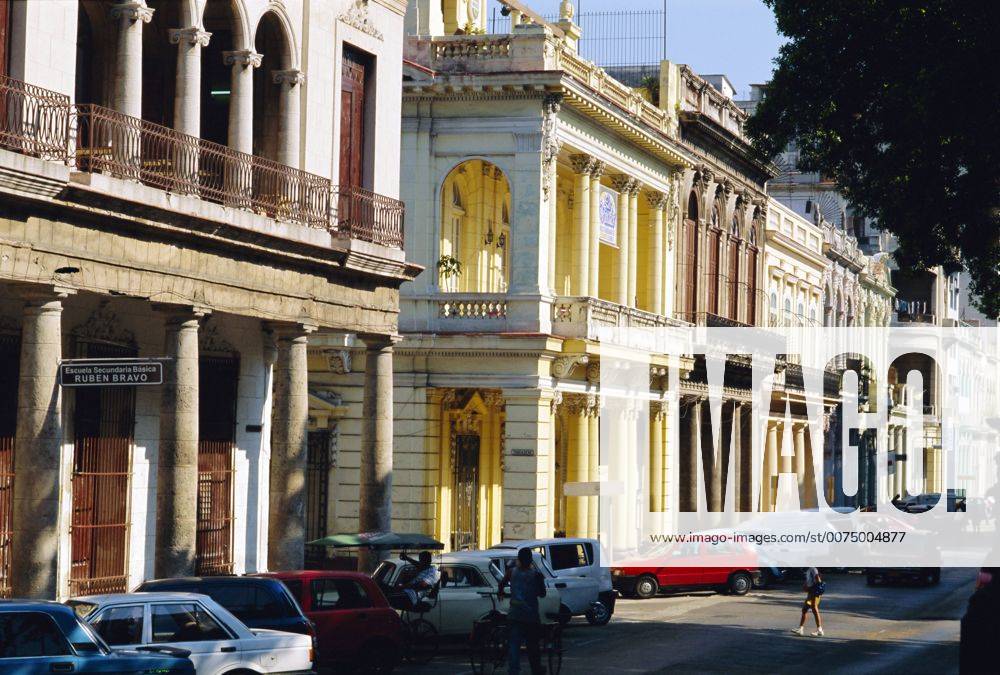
x: 317, y: 484
x: 10, y: 348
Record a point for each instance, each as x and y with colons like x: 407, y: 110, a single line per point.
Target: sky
x: 737, y: 38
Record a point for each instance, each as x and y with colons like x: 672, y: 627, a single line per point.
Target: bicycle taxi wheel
x: 422, y: 641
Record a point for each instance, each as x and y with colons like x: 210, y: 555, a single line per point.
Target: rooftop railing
x: 95, y: 139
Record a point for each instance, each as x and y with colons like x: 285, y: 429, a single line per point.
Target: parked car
x: 46, y: 637
x: 927, y: 576
x: 354, y: 623
x: 578, y: 559
x: 470, y: 580
x: 734, y: 568
x: 218, y: 642
x: 980, y: 631
x: 259, y: 602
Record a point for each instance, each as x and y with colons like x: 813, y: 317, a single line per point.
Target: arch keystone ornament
x: 356, y: 16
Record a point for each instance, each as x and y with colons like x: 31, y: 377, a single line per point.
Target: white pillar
x: 241, y: 98
x: 580, y: 283
x: 623, y: 184
x: 288, y: 115
x: 187, y: 97
x: 657, y: 278
x: 128, y: 60
x: 595, y: 228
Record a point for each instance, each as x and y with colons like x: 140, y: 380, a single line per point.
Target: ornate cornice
x: 193, y: 35
x: 562, y: 366
x: 357, y: 17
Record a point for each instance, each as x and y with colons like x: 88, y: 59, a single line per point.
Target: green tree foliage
x: 899, y: 102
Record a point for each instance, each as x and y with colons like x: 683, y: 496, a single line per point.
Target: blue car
x: 46, y: 637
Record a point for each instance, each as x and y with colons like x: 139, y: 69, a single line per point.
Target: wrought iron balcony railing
x: 42, y: 123
x: 33, y: 121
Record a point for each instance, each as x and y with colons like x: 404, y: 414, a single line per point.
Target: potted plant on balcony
x: 449, y: 267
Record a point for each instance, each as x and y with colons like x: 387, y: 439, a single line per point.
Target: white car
x: 219, y: 642
x: 577, y: 562
x: 469, y: 593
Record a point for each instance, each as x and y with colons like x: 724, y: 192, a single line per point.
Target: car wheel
x: 599, y: 614
x: 740, y: 583
x: 646, y: 587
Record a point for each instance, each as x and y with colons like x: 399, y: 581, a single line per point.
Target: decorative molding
x: 622, y: 183
x: 597, y: 170
x: 562, y: 366
x: 494, y: 400
x: 594, y: 372
x: 133, y: 11
x: 551, y: 105
x: 290, y: 77
x: 193, y: 35
x: 356, y: 16
x: 211, y: 341
x: 338, y: 361
x: 657, y: 200
x: 103, y: 326
x: 582, y: 164
x: 243, y: 57
x: 328, y: 396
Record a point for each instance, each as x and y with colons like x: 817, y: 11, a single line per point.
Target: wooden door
x: 690, y: 269
x: 354, y: 74
x: 713, y: 270
x: 734, y: 279
x: 4, y: 37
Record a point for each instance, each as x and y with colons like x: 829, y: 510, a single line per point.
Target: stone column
x: 799, y: 464
x: 288, y: 115
x: 657, y: 202
x: 578, y: 466
x: 623, y: 184
x: 633, y: 243
x: 656, y: 460
x: 553, y: 202
x: 177, y: 468
x: 38, y: 458
x: 580, y: 284
x: 241, y: 98
x: 375, y: 496
x: 767, y: 494
x: 594, y: 438
x: 128, y: 59
x: 595, y: 228
x: 286, y: 522
x: 187, y: 97
x: 689, y: 458
x: 526, y: 464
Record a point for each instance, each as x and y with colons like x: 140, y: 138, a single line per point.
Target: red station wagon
x: 354, y: 623
x: 683, y: 567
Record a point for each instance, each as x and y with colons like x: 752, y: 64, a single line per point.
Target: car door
x: 570, y: 563
x: 341, y: 610
x: 121, y: 626
x: 31, y: 642
x: 463, y: 599
x: 681, y: 569
x: 190, y: 626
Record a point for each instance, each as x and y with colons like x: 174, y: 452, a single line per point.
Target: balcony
x: 583, y: 317
x: 95, y: 139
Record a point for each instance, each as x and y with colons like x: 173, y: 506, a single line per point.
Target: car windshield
x: 383, y: 573
x: 102, y: 646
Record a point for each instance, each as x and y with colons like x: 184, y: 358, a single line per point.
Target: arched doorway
x: 271, y: 42
x: 159, y: 63
x: 475, y: 230
x: 222, y: 20
x: 689, y: 258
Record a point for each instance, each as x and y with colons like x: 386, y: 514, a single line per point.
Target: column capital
x: 375, y: 342
x: 597, y: 170
x: 38, y: 294
x: 286, y: 330
x: 290, y: 77
x: 622, y: 183
x: 582, y: 164
x: 657, y: 200
x: 243, y: 57
x: 136, y: 10
x: 180, y: 313
x: 192, y: 35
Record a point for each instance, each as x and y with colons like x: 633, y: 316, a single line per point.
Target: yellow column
x: 633, y: 243
x: 656, y: 460
x: 580, y: 282
x: 799, y: 432
x: 439, y: 402
x: 486, y: 478
x: 553, y: 476
x: 770, y: 468
x: 594, y: 438
x: 578, y: 469
x: 622, y: 184
x: 595, y: 228
x: 553, y: 224
x: 655, y: 252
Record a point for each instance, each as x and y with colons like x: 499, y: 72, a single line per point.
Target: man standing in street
x: 527, y: 585
x: 814, y: 588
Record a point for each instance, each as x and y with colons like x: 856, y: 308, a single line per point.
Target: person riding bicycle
x: 410, y: 595
x: 527, y: 585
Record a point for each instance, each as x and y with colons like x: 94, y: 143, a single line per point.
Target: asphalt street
x: 882, y: 629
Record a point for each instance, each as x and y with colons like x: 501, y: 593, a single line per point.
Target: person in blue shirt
x: 527, y: 585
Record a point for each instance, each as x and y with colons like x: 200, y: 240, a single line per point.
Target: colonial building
x: 193, y: 187
x: 547, y: 200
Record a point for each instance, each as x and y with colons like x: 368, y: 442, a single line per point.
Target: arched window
x: 734, y: 264
x: 714, y: 243
x: 788, y: 312
x: 475, y: 230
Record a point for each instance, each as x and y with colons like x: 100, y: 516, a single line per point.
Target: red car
x: 354, y: 623
x: 684, y: 566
